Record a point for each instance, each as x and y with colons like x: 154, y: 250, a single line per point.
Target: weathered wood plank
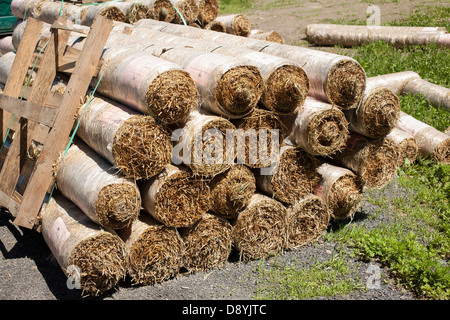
x: 58, y: 137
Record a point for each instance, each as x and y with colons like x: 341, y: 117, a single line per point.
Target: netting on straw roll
x: 258, y: 134
x: 231, y: 191
x: 201, y: 144
x: 260, y: 230
x: 334, y: 78
x: 271, y: 36
x: 435, y: 94
x: 155, y: 252
x: 374, y: 160
x: 341, y: 189
x: 318, y: 127
x: 187, y: 11
x: 407, y: 145
x: 237, y: 24
x: 207, y: 11
x: 134, y: 143
x: 208, y: 243
x: 307, y: 220
x: 175, y: 197
x: 396, y: 82
x: 293, y: 178
x: 90, y: 255
x: 431, y: 141
x: 87, y: 179
x: 348, y: 36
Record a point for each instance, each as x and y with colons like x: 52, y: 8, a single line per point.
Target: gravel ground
x: 29, y: 272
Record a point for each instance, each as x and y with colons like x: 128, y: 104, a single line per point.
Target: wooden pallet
x: 38, y: 115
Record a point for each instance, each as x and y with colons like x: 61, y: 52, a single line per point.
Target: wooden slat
x: 7, y: 202
x: 40, y: 90
x: 14, y: 85
x: 41, y: 114
x: 58, y: 137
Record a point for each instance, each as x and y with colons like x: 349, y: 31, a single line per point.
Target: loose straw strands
x: 231, y: 191
x: 431, y: 142
x: 375, y: 161
x: 155, y: 251
x: 340, y: 189
x: 272, y: 36
x: 317, y: 127
x: 85, y: 178
x: 407, y: 145
x: 258, y: 134
x: 293, y: 177
x: 187, y: 11
x: 175, y: 197
x: 201, y: 145
x: 208, y: 243
x: 134, y: 143
x: 260, y: 230
x: 377, y: 113
x: 93, y: 257
x: 207, y: 11
x: 307, y: 221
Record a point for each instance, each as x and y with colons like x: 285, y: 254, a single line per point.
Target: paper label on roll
x: 58, y: 234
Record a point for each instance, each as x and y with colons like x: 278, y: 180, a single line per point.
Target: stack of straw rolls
x: 336, y: 79
x: 228, y: 86
x: 85, y: 251
x: 260, y: 230
x: 231, y: 191
x: 175, y: 197
x: 155, y: 251
x: 286, y: 84
x: 208, y: 243
x: 87, y: 180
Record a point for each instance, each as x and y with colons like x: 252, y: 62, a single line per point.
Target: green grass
x: 234, y: 6
x: 415, y: 243
x: 322, y: 279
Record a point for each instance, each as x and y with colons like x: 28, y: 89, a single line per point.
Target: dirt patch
x: 290, y: 17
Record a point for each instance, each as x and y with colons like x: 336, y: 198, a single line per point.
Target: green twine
x: 179, y: 13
